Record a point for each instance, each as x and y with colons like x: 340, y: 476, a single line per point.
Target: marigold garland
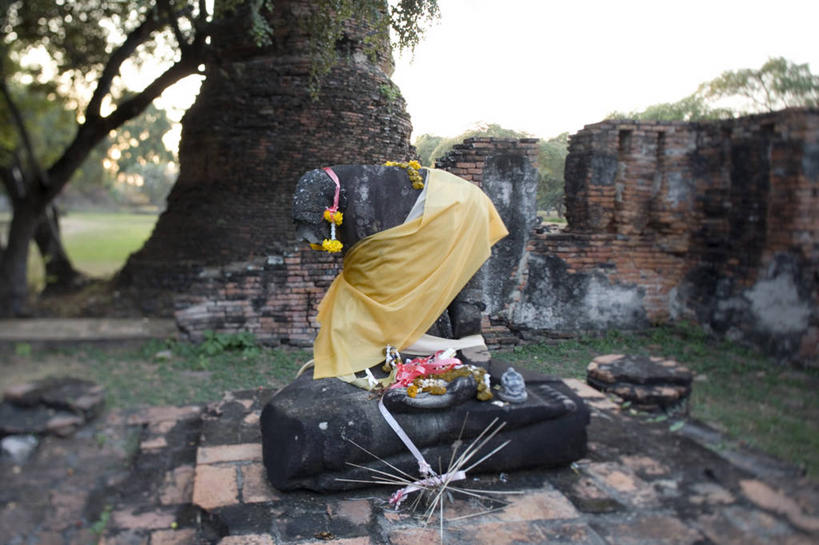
x: 412, y: 168
x: 331, y: 245
x: 333, y: 217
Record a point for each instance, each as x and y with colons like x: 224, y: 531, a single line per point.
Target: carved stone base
x: 308, y: 429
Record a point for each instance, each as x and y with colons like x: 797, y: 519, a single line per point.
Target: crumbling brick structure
x: 253, y: 131
x: 715, y: 222
x: 276, y: 297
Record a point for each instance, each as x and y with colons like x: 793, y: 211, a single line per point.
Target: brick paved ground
x: 190, y: 475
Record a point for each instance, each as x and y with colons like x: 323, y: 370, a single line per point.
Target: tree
x: 425, y: 145
x: 492, y: 130
x: 550, y: 164
x: 179, y: 35
x: 777, y: 84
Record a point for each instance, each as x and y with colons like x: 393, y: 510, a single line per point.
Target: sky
x: 547, y: 67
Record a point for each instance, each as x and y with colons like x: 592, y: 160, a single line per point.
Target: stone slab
x: 647, y: 382
x: 309, y: 429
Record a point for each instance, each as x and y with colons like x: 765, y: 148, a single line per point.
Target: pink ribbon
x: 431, y: 365
x: 333, y: 177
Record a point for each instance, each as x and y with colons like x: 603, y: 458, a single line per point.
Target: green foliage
x: 408, y: 19
x: 424, y: 146
x: 139, y: 141
x: 777, y: 84
x: 101, y: 523
x: 391, y: 94
x: 550, y: 164
x: 22, y: 349
x: 690, y: 108
x: 218, y: 343
x: 51, y: 124
x: 72, y: 33
x: 328, y: 20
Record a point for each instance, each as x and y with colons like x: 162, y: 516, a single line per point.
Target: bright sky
x: 547, y: 67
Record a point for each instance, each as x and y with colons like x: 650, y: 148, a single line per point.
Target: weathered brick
x: 255, y: 486
x: 229, y: 453
x: 215, y: 486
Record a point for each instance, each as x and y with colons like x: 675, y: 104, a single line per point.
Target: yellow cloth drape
x: 395, y: 284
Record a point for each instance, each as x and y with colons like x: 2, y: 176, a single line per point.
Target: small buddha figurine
x: 513, y: 387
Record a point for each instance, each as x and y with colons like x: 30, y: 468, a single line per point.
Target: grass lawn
x: 98, y: 243
x: 740, y: 392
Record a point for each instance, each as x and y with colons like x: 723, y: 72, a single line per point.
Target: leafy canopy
x: 551, y: 158
x: 777, y: 84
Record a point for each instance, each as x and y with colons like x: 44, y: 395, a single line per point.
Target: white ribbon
x: 430, y: 478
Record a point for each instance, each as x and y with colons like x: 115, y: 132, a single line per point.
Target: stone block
x: 184, y: 536
x: 307, y: 444
x: 130, y: 518
x: 656, y: 529
x: 767, y: 498
x: 248, y: 539
x: 255, y: 487
x: 628, y: 486
x: 493, y: 533
x: 177, y: 486
x: 229, y: 453
x: 648, y: 383
x: 215, y: 486
x: 357, y: 512
x: 541, y: 505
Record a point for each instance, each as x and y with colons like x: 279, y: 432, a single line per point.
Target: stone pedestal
x: 649, y: 383
x: 309, y: 427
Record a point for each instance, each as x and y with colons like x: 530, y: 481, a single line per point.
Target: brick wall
x: 276, y: 297
x: 714, y: 222
x: 252, y: 132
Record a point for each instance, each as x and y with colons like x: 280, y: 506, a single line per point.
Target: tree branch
x: 165, y: 6
x: 20, y: 126
x: 136, y: 37
x: 137, y: 103
x: 94, y: 129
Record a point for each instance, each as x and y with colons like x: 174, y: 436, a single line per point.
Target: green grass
x: 159, y: 372
x: 546, y: 217
x: 738, y: 391
x: 97, y: 243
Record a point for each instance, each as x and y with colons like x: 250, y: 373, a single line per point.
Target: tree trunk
x: 60, y: 274
x: 14, y: 262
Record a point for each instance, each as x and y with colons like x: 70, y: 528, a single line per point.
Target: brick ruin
x: 276, y: 296
x: 712, y: 222
x: 252, y: 132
